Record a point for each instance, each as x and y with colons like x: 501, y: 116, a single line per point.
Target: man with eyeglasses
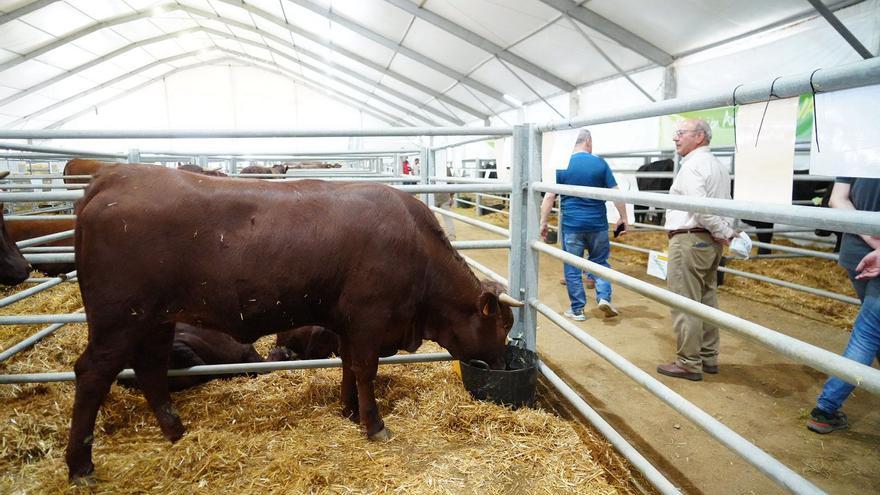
x: 696, y: 241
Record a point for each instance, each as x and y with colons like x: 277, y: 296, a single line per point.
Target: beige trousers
x: 691, y: 272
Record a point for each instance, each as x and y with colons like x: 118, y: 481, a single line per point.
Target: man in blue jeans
x: 860, y: 255
x: 585, y: 224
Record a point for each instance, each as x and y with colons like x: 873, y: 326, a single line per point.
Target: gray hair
x: 583, y: 136
x: 702, y: 125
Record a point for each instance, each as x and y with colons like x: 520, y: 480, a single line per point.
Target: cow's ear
x: 488, y: 304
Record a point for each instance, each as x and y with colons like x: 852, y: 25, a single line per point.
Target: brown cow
x: 309, y: 342
x: 260, y: 270
x: 83, y: 166
x: 20, y: 230
x: 311, y: 165
x: 14, y: 269
x: 256, y: 169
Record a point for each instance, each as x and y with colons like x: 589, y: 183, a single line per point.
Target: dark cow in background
x: 256, y: 169
x: 802, y: 190
x: 653, y: 184
x: 248, y: 267
x: 309, y: 342
x: 20, y: 230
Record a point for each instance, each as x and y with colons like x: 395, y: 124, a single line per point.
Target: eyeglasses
x: 678, y: 133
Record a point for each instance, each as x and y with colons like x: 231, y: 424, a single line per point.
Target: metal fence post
x: 134, y: 155
x: 423, y: 173
x: 203, y: 161
x: 525, y: 205
x: 431, y: 171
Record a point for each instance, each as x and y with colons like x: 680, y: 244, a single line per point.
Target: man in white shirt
x: 696, y: 241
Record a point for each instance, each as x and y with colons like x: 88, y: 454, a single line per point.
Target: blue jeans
x: 863, y: 346
x: 596, y: 243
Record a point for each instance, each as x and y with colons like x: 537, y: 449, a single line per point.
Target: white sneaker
x: 575, y: 317
x: 607, y: 308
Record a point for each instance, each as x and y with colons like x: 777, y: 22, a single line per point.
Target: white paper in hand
x: 741, y: 246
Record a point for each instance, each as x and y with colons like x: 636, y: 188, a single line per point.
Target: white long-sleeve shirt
x: 701, y: 175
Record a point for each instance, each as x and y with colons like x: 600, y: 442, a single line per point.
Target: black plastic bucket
x: 514, y: 386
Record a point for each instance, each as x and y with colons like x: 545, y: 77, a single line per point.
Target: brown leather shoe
x: 712, y: 369
x: 676, y: 371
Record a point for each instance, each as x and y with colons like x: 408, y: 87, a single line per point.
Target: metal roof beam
x: 92, y: 63
x: 188, y: 54
x: 378, y: 38
x: 348, y: 54
x: 841, y: 29
x: 73, y: 37
x: 67, y: 119
x: 482, y: 43
x: 614, y: 31
x: 25, y: 10
x: 317, y: 57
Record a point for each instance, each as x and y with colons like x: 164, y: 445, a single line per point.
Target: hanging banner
x: 556, y: 148
x: 765, y: 136
x: 846, y: 141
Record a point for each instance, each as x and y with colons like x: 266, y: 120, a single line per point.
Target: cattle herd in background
x: 814, y: 191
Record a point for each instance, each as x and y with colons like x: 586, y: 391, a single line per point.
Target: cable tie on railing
x: 770, y: 96
x: 734, y: 116
x: 815, y: 119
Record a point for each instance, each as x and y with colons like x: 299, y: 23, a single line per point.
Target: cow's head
x: 14, y: 269
x: 279, y: 169
x: 484, y: 335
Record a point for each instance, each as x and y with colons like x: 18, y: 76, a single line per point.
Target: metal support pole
x: 203, y: 161
x: 525, y: 207
x: 427, y: 171
x: 134, y: 155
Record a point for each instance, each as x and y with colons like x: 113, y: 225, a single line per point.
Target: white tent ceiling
x: 404, y: 62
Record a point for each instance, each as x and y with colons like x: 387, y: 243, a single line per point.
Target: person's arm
x: 840, y: 199
x: 546, y: 206
x: 718, y: 226
x: 621, y: 211
x: 869, y: 267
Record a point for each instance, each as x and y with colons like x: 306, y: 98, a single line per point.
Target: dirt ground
x: 762, y: 396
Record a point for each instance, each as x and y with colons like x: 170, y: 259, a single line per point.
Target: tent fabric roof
x: 414, y: 62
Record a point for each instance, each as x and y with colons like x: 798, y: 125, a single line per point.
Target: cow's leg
x: 151, y: 368
x: 364, y: 366
x: 95, y: 370
x: 349, y: 394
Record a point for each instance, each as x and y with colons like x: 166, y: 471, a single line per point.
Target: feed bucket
x: 513, y: 386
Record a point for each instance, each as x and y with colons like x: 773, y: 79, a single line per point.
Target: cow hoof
x: 382, y: 435
x: 83, y: 480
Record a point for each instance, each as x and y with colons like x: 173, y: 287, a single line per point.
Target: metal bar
x: 828, y: 362
x: 794, y: 250
x: 468, y: 141
x: 48, y: 249
x: 623, y: 37
x: 39, y: 319
x: 764, y: 462
x: 791, y: 285
x: 486, y: 244
x: 450, y: 188
x: 52, y: 282
x: 49, y: 258
x: 466, y: 180
x: 620, y: 444
x: 65, y: 151
x: 225, y: 369
x: 861, y: 222
x: 36, y: 241
x: 841, y: 29
x: 483, y: 225
x: 485, y: 270
x: 247, y: 133
x: 24, y: 10
x: 28, y: 342
x: 482, y: 43
x: 28, y: 218
x: 854, y: 75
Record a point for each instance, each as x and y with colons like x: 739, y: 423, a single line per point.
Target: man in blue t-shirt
x: 859, y: 255
x: 585, y: 224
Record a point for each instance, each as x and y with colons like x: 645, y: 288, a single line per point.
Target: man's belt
x: 696, y: 230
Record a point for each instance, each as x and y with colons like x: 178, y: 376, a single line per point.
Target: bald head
x: 584, y: 141
x: 690, y: 135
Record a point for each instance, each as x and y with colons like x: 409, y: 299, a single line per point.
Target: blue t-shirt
x: 589, y: 170
x: 865, y: 196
